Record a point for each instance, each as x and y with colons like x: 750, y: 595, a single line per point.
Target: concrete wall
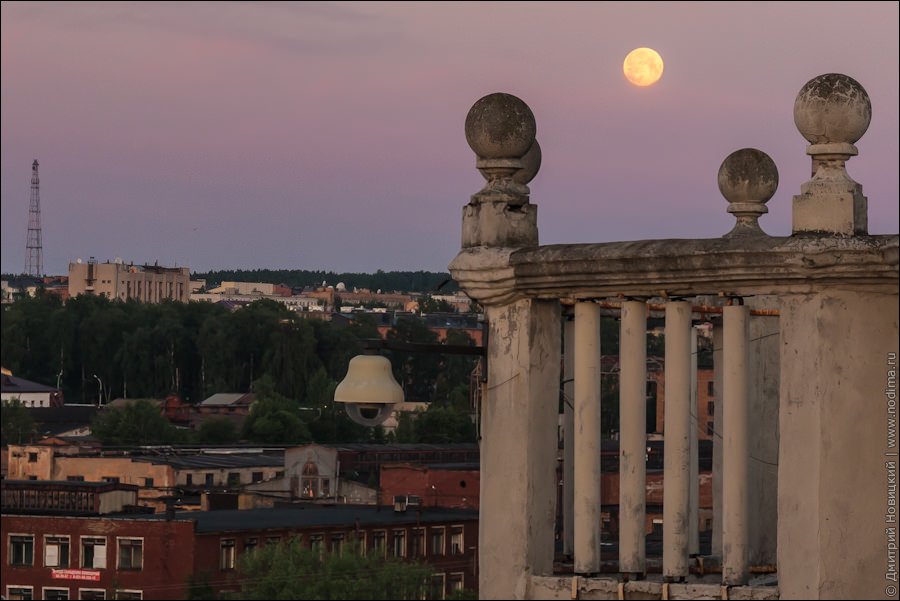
x: 834, y: 471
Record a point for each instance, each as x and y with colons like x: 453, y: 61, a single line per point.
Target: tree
x: 290, y: 571
x: 217, y: 430
x: 18, y: 427
x: 137, y: 423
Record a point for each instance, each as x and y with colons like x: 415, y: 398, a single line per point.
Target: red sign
x: 75, y: 575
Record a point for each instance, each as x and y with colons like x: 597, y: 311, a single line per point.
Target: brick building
x: 65, y: 540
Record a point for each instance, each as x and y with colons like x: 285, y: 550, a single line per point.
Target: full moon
x: 643, y: 66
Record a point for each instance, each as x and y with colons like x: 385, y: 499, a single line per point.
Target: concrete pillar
x: 735, y: 408
x: 718, y: 341
x: 837, y: 466
x: 694, y: 491
x: 518, y: 447
x: 587, y: 438
x: 762, y: 490
x: 569, y: 439
x: 676, y: 496
x: 633, y: 437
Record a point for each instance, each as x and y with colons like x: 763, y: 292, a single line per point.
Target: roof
x: 10, y: 384
x: 229, y: 398
x: 308, y: 516
x: 223, y: 461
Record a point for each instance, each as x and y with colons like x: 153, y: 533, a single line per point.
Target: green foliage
x: 290, y: 571
x: 137, y: 423
x: 429, y: 304
x: 217, y: 430
x: 17, y: 425
x: 437, y: 425
x: 274, y: 418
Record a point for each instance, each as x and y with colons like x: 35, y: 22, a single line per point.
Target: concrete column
x: 837, y: 459
x: 633, y: 437
x: 569, y: 439
x: 718, y: 341
x: 587, y: 438
x: 519, y: 413
x: 694, y: 491
x: 676, y: 495
x: 735, y: 408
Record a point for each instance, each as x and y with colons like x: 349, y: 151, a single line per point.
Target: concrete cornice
x: 738, y: 266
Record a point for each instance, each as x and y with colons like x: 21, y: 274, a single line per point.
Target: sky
x: 330, y: 135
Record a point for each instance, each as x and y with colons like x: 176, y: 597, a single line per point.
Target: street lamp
x: 369, y: 391
x: 100, y: 382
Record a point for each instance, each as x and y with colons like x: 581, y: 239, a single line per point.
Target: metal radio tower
x: 34, y: 249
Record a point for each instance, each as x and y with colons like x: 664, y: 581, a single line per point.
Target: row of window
x: 56, y: 551
x: 26, y: 593
x: 234, y: 478
x: 416, y: 547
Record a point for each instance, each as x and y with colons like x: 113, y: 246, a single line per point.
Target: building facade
x: 146, y: 283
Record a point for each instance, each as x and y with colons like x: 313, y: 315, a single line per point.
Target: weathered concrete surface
x: 587, y: 437
x: 518, y: 447
x: 833, y: 482
x: 567, y: 587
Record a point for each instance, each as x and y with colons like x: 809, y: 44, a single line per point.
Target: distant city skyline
x: 330, y: 135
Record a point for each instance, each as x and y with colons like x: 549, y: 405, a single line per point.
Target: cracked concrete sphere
x: 832, y: 108
x: 748, y: 175
x: 500, y: 126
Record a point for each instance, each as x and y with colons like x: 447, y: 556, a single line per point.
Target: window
x: 55, y: 593
x: 56, y: 551
x: 437, y: 541
x: 711, y: 389
x: 21, y: 550
x: 326, y: 487
x: 710, y: 428
x: 399, y: 543
x: 317, y: 543
x: 257, y: 477
x: 309, y: 483
x: 234, y: 479
x: 189, y: 479
x: 20, y: 593
x: 378, y: 542
x: 226, y: 554
x: 457, y: 543
x: 436, y: 590
x: 90, y: 594
x: 337, y: 544
x: 111, y: 479
x: 250, y: 544
x: 417, y: 542
x: 75, y: 478
x: 456, y: 581
x: 135, y: 595
x: 273, y: 540
x: 32, y: 457
x: 93, y: 552
x: 209, y: 480
x: 710, y: 407
x: 131, y: 553
x: 148, y: 482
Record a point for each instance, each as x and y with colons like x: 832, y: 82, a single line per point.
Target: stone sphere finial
x: 832, y: 109
x: 748, y: 178
x: 500, y: 126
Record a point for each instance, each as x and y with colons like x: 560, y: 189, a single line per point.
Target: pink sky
x: 330, y: 135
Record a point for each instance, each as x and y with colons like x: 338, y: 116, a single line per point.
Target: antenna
x: 34, y: 249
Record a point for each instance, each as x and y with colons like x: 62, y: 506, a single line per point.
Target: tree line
x: 386, y: 281
x: 94, y: 348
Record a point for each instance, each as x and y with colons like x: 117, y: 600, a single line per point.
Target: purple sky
x: 320, y: 135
